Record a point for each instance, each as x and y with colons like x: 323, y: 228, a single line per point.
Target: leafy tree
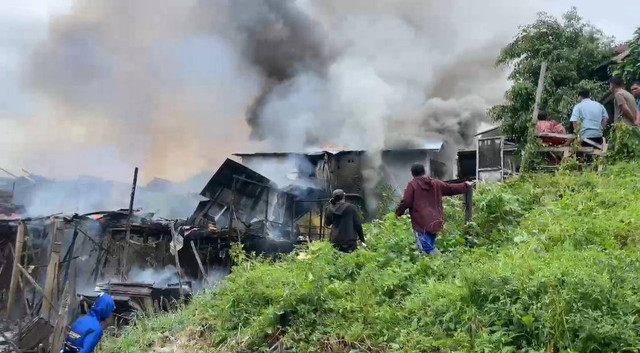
x: 572, y: 48
x: 629, y: 69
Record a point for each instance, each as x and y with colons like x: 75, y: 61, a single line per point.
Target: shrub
x: 555, y: 269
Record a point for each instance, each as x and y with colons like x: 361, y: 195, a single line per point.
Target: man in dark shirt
x: 423, y: 199
x: 345, y: 223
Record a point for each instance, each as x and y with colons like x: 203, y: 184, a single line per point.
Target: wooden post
x: 536, y: 106
x: 123, y: 270
x: 468, y: 205
x: 59, y: 331
x: 69, y: 255
x: 13, y: 287
x: 195, y: 253
x: 174, y: 236
x: 53, y: 269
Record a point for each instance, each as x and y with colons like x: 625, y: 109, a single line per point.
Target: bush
x: 555, y: 269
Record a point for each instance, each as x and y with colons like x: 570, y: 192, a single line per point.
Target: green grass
x: 553, y: 267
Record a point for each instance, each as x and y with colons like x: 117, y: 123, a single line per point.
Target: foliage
x: 624, y: 143
x: 629, y: 69
x: 556, y: 268
x: 572, y: 48
x: 386, y: 199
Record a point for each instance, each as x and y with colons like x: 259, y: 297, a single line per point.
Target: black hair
x: 637, y: 83
x: 584, y: 93
x: 616, y: 81
x: 418, y: 170
x: 543, y: 115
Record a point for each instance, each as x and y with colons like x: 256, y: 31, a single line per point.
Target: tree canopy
x: 573, y: 50
x: 629, y: 69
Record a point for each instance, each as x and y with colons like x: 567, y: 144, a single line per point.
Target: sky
x: 24, y: 25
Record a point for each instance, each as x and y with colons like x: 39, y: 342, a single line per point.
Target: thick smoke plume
x: 176, y: 86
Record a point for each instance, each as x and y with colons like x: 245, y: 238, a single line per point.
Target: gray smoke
x: 179, y: 85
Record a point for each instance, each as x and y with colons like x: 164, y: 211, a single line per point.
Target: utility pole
x: 536, y: 106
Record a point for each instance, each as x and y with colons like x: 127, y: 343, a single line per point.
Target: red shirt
x: 423, y: 198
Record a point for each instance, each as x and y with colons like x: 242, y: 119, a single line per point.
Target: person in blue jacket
x: 86, y: 332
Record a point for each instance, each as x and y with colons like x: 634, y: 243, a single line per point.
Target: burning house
x: 247, y: 206
x: 146, y: 263
x: 351, y: 170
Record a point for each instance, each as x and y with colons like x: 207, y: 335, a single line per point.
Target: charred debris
x: 147, y: 263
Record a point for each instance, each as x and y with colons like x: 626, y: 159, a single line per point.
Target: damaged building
x: 147, y: 263
x: 351, y: 170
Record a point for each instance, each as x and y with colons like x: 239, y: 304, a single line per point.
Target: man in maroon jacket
x: 423, y: 198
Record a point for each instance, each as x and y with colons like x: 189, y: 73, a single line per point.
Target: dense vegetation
x: 551, y: 264
x: 629, y: 69
x: 573, y: 49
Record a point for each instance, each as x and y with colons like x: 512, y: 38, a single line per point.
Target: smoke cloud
x: 174, y: 87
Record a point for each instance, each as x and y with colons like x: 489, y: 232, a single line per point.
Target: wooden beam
x: 59, y: 331
x: 53, y: 269
x: 536, y: 106
x: 14, y: 272
x: 195, y: 253
x: 35, y: 285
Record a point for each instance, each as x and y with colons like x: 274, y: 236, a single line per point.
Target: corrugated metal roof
x: 435, y: 146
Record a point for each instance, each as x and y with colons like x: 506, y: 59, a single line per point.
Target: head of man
x: 583, y: 94
x: 635, y: 89
x: 542, y: 115
x: 615, y: 84
x: 417, y: 170
x: 103, y: 307
x: 338, y: 196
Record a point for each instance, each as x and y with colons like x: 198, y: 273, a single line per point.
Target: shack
x: 350, y: 170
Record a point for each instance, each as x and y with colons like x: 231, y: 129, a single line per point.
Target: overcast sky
x: 24, y: 23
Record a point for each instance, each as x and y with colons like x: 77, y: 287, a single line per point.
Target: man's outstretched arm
x: 449, y: 189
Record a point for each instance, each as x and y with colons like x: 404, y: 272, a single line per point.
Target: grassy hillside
x: 554, y: 266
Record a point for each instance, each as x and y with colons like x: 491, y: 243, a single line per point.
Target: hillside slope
x: 554, y: 267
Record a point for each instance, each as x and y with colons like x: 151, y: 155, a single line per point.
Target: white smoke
x: 177, y: 86
x: 157, y: 277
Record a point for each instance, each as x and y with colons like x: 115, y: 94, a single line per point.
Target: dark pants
x: 597, y: 140
x: 346, y: 247
x: 589, y: 157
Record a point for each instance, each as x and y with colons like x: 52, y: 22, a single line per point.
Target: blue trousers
x: 426, y: 242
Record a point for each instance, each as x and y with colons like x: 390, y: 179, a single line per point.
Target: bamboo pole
x: 14, y: 272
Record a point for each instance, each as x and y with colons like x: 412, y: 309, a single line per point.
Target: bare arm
x: 621, y: 103
x: 626, y: 112
x: 575, y: 119
x: 605, y: 117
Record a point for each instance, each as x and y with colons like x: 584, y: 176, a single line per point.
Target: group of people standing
x: 590, y: 118
x: 422, y: 199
